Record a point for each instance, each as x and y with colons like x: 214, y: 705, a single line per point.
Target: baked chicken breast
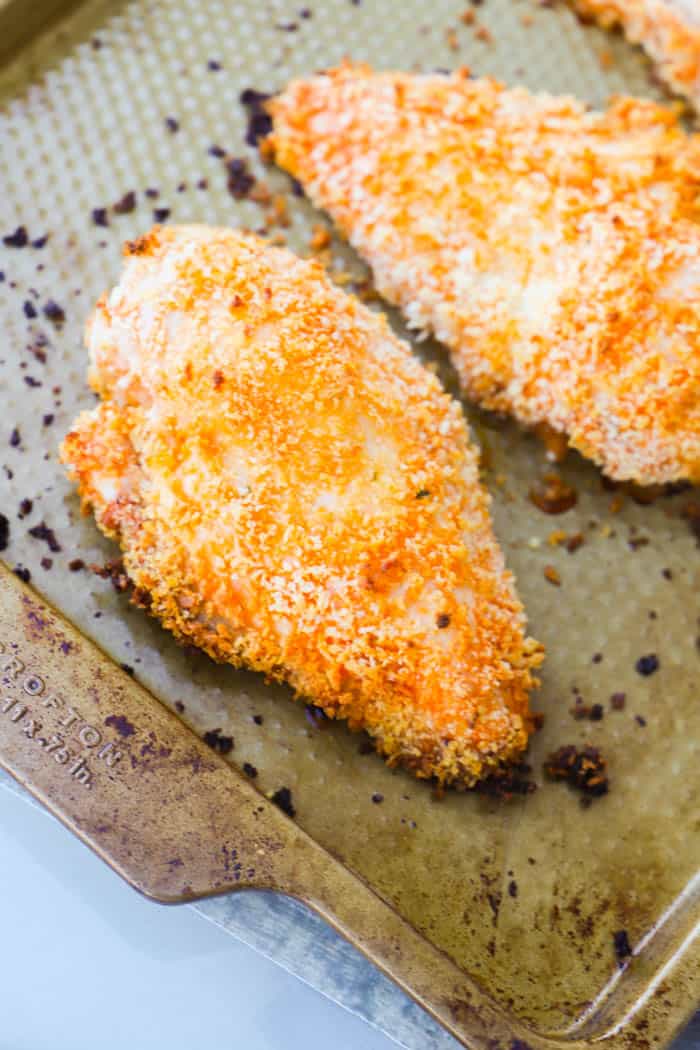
x: 668, y: 30
x: 293, y: 492
x: 556, y: 251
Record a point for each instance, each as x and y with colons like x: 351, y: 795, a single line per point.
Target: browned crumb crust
x: 293, y: 492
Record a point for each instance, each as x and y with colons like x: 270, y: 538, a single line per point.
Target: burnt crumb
x: 46, y: 563
x: 584, y: 769
x: 597, y: 658
x: 96, y: 43
x: 17, y: 239
x: 552, y: 495
x: 574, y: 542
x: 667, y: 574
x: 218, y: 742
x: 40, y: 242
x: 181, y: 187
x: 179, y: 706
x: 640, y: 720
x: 29, y: 309
x: 305, y: 12
x: 99, y: 216
x: 32, y: 381
x: 4, y: 533
x: 47, y: 419
x: 25, y: 508
x: 76, y: 565
x: 647, y: 665
x: 216, y: 151
x: 638, y: 541
x: 377, y: 797
x: 213, y: 65
x: 161, y: 214
x: 152, y: 193
x: 508, y: 783
x: 618, y: 701
x: 551, y: 575
x: 258, y: 719
x: 580, y: 710
x: 297, y: 188
x: 422, y: 494
x: 259, y: 120
x: 443, y: 621
x: 114, y: 572
x: 515, y: 1044
x: 53, y: 312
x: 24, y: 574
x: 36, y: 349
x: 621, y: 944
x: 597, y: 713
x: 126, y: 204
x: 43, y: 532
x: 9, y: 474
x: 128, y: 669
x: 512, y: 888
x: 202, y: 184
x: 287, y: 27
x: 283, y: 798
x: 250, y: 770
x: 15, y: 438
x: 240, y: 181
x: 172, y: 125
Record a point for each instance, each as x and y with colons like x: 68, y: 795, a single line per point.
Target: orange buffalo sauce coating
x: 297, y: 494
x: 554, y: 250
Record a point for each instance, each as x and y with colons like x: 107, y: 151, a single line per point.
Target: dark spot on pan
x: 122, y: 725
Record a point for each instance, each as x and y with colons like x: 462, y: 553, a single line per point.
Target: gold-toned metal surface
x: 177, y: 823
x: 523, y: 897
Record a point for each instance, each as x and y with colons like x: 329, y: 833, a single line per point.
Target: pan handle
x: 176, y: 821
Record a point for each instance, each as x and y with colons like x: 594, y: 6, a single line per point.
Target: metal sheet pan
x: 523, y: 897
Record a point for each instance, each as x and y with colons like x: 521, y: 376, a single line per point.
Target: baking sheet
x: 525, y: 896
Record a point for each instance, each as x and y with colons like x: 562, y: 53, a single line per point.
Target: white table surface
x: 89, y: 963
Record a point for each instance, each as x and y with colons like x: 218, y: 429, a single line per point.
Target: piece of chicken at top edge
x: 554, y: 250
x: 293, y: 492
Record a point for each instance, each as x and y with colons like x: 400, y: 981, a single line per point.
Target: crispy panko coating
x: 296, y: 494
x: 668, y: 30
x: 555, y: 251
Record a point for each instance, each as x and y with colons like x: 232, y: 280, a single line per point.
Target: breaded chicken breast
x: 294, y: 493
x: 555, y: 251
x: 668, y: 30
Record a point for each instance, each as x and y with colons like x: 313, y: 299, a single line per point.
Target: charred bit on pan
x: 18, y: 239
x: 240, y: 181
x: 584, y: 769
x: 4, y: 533
x: 618, y: 701
x: 622, y: 947
x: 43, y: 532
x: 647, y: 665
x: 508, y: 783
x: 259, y: 120
x: 250, y: 770
x: 126, y: 204
x: 214, y: 739
x: 283, y: 798
x: 552, y: 495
